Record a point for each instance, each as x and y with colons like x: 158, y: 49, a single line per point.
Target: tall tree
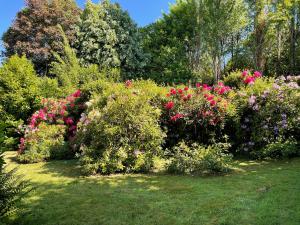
x: 108, y: 37
x: 34, y: 31
x: 222, y: 19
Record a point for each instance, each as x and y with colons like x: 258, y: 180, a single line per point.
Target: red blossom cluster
x: 178, y: 105
x: 176, y: 117
x: 248, y: 78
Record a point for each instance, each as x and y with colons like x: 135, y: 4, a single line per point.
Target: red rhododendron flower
x: 173, y: 91
x: 189, y: 96
x: 169, y: 105
x: 210, y: 97
x: 213, y: 103
x: 186, y: 88
x: 180, y: 91
x: 69, y: 121
x: 249, y: 80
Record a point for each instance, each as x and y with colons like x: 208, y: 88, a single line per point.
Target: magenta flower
x: 257, y: 74
x: 245, y: 73
x: 69, y: 121
x: 76, y: 94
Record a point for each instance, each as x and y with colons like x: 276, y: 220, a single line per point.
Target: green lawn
x: 263, y: 193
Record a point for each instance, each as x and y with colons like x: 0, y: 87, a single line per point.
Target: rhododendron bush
x: 269, y: 112
x: 121, y: 127
x: 197, y: 114
x: 61, y: 115
x: 121, y: 130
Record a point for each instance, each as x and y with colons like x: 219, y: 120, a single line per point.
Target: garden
x: 193, y: 119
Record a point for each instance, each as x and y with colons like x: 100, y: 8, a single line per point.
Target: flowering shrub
x: 120, y: 132
x: 197, y: 159
x: 45, y: 143
x: 269, y: 112
x: 196, y: 114
x: 64, y: 113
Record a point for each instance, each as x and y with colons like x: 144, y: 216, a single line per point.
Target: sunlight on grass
x: 254, y: 193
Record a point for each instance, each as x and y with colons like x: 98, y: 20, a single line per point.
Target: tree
x: 192, y: 40
x: 222, y: 19
x: 19, y: 96
x: 107, y: 36
x: 34, y: 31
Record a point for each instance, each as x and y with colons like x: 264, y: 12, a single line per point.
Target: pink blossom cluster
x: 56, y: 111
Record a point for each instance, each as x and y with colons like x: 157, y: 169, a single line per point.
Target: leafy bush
x: 198, y: 159
x: 233, y: 79
x: 280, y: 149
x: 19, y: 96
x: 120, y: 133
x: 50, y: 88
x: 47, y: 142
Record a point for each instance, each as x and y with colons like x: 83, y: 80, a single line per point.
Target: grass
x: 266, y: 193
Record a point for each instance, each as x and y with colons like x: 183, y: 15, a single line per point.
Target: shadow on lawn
x: 70, y: 199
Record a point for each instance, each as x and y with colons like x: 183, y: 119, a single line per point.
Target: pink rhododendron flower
x: 169, y: 105
x: 206, y: 87
x: 198, y: 85
x: 128, y: 83
x: 249, y: 80
x: 62, y: 112
x: 42, y: 115
x: 51, y: 115
x: 257, y: 74
x: 245, y: 73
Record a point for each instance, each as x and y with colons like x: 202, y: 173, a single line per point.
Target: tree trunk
x: 293, y: 43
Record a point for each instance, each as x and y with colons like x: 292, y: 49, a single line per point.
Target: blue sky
x: 142, y: 11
